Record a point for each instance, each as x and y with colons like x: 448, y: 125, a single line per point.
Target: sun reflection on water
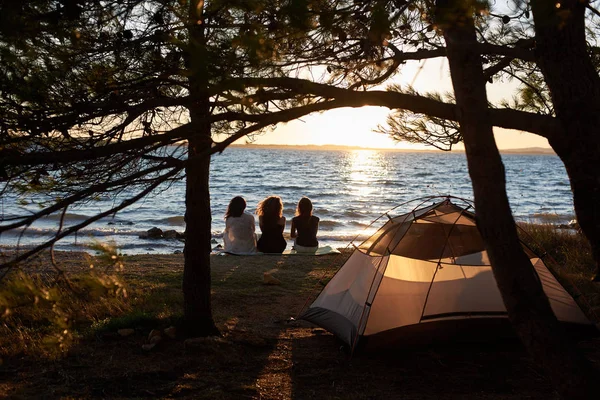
x: 365, y: 167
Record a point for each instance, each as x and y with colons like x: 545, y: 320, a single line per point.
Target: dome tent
x: 424, y: 277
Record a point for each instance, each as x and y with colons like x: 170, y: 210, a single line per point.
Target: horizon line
x: 524, y: 150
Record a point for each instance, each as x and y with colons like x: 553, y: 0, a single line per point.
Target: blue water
x: 349, y: 189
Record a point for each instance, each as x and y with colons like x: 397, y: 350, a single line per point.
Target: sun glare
x: 361, y: 167
x: 355, y: 126
x: 343, y: 127
x: 362, y: 163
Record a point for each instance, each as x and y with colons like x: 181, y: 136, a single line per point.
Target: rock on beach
x: 157, y: 233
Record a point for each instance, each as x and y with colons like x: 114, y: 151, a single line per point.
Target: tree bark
x: 197, y: 307
x: 561, y: 52
x: 528, y: 307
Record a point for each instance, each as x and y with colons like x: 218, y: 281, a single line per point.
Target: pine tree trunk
x: 197, y: 308
x: 561, y: 52
x: 528, y: 307
x: 196, y: 273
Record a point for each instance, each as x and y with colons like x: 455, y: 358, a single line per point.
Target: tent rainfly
x: 425, y: 277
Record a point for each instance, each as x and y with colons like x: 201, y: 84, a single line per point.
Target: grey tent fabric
x: 421, y: 270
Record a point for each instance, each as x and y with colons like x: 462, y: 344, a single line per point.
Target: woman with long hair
x: 239, y: 236
x: 304, y: 227
x: 272, y: 225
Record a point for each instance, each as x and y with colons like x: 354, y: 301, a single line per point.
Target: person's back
x: 239, y: 235
x: 272, y: 225
x: 304, y: 227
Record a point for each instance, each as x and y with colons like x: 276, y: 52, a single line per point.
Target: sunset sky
x: 354, y: 126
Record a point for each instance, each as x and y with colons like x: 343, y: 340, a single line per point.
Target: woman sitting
x: 272, y: 225
x: 305, y: 227
x: 239, y: 236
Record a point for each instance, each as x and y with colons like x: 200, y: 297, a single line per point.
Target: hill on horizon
x: 333, y: 147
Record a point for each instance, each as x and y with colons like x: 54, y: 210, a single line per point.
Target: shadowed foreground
x: 261, y: 355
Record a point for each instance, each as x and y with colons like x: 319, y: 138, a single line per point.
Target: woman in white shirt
x: 239, y: 236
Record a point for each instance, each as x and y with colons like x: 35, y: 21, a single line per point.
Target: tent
x: 425, y: 277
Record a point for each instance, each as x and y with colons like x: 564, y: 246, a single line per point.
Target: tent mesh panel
x: 425, y: 236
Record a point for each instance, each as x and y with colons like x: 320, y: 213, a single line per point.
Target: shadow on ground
x: 492, y: 371
x: 262, y: 355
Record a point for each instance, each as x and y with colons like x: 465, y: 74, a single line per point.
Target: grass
x: 261, y: 354
x: 568, y: 250
x: 568, y: 255
x: 135, y: 319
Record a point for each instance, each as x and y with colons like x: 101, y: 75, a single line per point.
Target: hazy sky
x: 354, y: 126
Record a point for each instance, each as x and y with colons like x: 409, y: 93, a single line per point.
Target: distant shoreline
x: 332, y: 147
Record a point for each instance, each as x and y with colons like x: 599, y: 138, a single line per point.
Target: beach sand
x: 262, y: 354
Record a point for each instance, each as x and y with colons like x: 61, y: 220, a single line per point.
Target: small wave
x: 347, y: 237
x: 44, y: 231
x: 390, y: 183
x: 283, y: 188
x: 67, y: 217
x: 421, y: 174
x: 329, y: 224
x: 358, y: 224
x: 120, y: 222
x: 353, y: 214
x: 160, y: 222
x: 326, y: 195
x: 174, y: 220
x: 320, y: 212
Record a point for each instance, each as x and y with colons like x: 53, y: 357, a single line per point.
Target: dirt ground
x: 264, y: 355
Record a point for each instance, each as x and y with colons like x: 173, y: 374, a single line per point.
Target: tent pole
x: 439, y: 263
x: 367, y: 303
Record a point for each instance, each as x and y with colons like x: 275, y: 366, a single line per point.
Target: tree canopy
x: 98, y: 96
x: 91, y: 84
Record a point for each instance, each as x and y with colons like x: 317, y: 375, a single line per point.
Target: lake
x: 349, y: 189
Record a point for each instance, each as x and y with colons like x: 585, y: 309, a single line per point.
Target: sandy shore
x: 77, y: 262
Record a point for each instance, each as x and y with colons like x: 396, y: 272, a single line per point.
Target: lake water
x: 349, y: 189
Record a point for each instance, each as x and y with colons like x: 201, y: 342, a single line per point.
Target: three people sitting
x: 239, y: 236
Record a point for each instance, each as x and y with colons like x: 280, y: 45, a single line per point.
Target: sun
x: 343, y: 126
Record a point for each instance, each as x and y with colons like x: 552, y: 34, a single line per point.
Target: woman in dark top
x: 272, y: 225
x: 305, y: 227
